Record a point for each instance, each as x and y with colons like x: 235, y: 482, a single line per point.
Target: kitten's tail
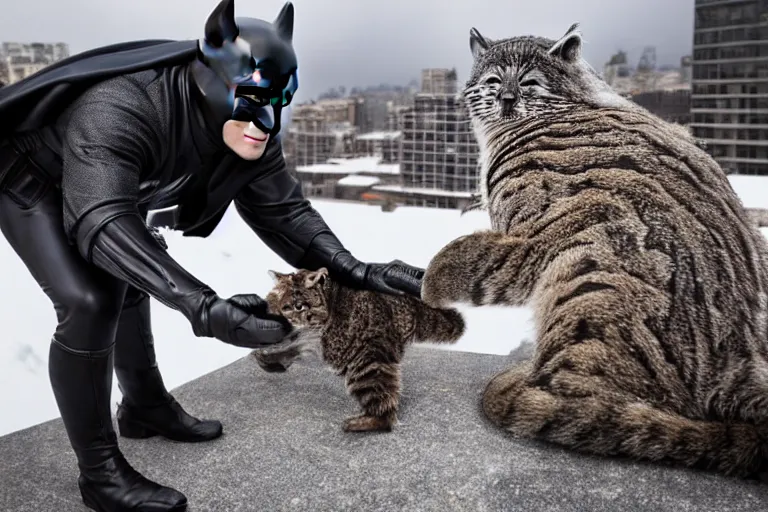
x: 438, y: 325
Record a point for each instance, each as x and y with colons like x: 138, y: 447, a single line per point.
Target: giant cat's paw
x: 450, y: 275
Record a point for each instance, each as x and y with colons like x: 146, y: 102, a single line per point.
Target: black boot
x: 147, y: 409
x: 82, y: 385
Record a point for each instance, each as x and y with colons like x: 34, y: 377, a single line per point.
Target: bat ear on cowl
x: 284, y: 22
x: 220, y: 26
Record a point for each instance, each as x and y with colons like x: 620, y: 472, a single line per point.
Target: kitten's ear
x: 569, y: 46
x: 221, y: 25
x: 284, y: 22
x: 316, y: 278
x: 276, y: 276
x: 477, y: 43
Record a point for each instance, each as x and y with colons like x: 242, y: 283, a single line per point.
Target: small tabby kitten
x: 360, y: 334
x: 647, y: 279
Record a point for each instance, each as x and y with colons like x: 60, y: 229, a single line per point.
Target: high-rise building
x: 438, y: 157
x: 729, y: 96
x: 385, y: 144
x: 322, y: 130
x: 438, y: 81
x: 672, y: 105
x: 377, y: 107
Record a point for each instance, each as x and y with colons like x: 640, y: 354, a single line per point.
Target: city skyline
x: 345, y: 42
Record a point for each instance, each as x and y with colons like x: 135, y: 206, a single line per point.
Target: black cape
x: 38, y: 99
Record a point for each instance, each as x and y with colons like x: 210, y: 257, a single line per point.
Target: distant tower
x: 647, y: 60
x: 686, y: 67
x: 617, y: 67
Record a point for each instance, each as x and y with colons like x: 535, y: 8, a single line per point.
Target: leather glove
x: 395, y: 277
x: 241, y: 320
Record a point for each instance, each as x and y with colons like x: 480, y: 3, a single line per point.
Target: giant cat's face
x: 526, y: 77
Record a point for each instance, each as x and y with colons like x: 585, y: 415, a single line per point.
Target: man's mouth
x: 250, y: 138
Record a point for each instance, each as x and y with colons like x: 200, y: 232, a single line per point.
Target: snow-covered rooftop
x: 398, y: 189
x: 380, y: 135
x: 346, y: 166
x: 358, y: 181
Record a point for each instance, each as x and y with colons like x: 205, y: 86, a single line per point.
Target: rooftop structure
x: 283, y: 449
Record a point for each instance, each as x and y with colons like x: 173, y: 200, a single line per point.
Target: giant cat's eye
x: 530, y: 82
x: 493, y: 80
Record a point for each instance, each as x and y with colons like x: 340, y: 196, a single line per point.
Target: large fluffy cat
x: 359, y: 333
x: 647, y: 279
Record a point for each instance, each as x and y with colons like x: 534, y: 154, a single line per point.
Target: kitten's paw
x: 364, y: 423
x: 273, y: 368
x: 269, y: 363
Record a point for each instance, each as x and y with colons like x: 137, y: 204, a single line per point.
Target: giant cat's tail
x: 437, y: 325
x: 603, y: 421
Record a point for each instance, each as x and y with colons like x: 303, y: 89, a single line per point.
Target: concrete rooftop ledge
x: 284, y: 450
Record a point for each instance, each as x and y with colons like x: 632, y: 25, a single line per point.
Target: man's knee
x: 94, y: 303
x: 88, y: 316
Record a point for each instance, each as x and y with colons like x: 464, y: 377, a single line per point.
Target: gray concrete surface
x: 284, y: 450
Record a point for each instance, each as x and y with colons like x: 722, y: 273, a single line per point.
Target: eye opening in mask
x: 268, y: 92
x: 256, y: 100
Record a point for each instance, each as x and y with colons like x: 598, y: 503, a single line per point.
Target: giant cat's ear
x: 477, y: 43
x: 568, y: 47
x: 284, y: 22
x: 316, y: 278
x: 221, y: 26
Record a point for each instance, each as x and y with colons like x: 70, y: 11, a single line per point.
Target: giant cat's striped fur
x: 647, y: 279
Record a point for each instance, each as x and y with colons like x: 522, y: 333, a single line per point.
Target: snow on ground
x: 233, y: 260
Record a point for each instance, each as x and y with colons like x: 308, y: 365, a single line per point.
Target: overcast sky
x: 367, y: 42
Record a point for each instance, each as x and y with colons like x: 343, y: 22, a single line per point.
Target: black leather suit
x: 74, y: 197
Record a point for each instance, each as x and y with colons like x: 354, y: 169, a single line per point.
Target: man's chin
x: 252, y: 153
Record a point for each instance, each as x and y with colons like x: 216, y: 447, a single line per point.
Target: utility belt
x: 25, y: 172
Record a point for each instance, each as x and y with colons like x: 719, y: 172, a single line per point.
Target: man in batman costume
x: 92, y: 143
